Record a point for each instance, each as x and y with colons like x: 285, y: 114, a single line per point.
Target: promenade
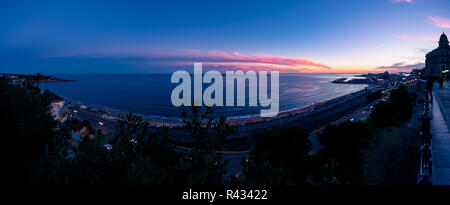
x: 440, y: 129
x: 443, y: 100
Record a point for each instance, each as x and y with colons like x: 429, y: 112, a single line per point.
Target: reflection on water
x: 149, y: 94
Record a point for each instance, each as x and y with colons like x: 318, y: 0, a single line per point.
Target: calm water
x: 149, y: 94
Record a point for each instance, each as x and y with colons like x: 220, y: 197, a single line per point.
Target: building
x: 437, y: 63
x: 57, y: 106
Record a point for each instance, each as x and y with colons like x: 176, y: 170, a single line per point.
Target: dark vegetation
x: 395, y: 155
x: 41, y: 151
x: 280, y: 156
x: 27, y: 130
x: 344, y: 146
x: 396, y: 110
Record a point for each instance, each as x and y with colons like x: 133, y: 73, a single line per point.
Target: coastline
x: 57, y: 80
x: 311, y: 117
x: 98, y: 112
x: 112, y: 114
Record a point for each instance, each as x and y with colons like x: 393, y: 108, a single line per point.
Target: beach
x: 354, y: 106
x: 311, y: 117
x: 307, y: 117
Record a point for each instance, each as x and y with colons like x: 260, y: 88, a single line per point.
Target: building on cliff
x: 437, y: 63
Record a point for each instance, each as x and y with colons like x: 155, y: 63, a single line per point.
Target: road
x: 95, y: 118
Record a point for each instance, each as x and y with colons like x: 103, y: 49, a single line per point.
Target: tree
x: 325, y: 175
x: 86, y: 123
x: 205, y: 163
x: 73, y: 124
x: 137, y: 156
x: 345, y: 143
x: 140, y: 156
x: 27, y: 130
x: 38, y: 77
x: 157, y: 161
x: 280, y: 156
x: 397, y: 109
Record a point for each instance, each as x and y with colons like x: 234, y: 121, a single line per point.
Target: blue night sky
x: 164, y: 36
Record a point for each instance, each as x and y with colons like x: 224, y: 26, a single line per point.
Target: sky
x: 320, y: 36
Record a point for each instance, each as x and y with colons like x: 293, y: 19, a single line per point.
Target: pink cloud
x: 399, y: 67
x: 234, y: 61
x: 407, y: 1
x: 440, y: 22
x: 221, y: 56
x: 184, y: 57
x: 256, y: 66
x: 418, y: 37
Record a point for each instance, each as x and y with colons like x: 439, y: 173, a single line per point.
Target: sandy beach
x: 290, y: 115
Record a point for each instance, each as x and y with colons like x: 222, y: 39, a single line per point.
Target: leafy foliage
x: 279, y: 157
x: 27, y: 130
x: 44, y: 152
x: 205, y: 163
x: 397, y: 109
x: 345, y: 144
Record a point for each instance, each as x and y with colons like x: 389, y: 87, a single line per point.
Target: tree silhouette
x: 279, y: 157
x: 205, y: 163
x: 345, y: 143
x: 38, y: 77
x: 27, y: 130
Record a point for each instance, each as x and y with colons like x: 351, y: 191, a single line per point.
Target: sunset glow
x: 290, y: 37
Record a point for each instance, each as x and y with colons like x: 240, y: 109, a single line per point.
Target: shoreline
x: 310, y: 118
x: 158, y: 121
x: 113, y: 114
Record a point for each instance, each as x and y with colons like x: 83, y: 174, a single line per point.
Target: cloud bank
x: 418, y: 37
x: 397, y: 1
x: 400, y: 67
x: 440, y: 22
x: 217, y: 59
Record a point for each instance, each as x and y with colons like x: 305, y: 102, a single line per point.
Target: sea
x: 149, y: 95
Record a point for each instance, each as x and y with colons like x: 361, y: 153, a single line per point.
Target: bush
x: 205, y: 163
x: 27, y: 130
x: 86, y: 123
x: 345, y: 143
x: 280, y: 156
x: 396, y: 110
x: 73, y: 124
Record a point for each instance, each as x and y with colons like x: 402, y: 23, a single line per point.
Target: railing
x: 426, y: 159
